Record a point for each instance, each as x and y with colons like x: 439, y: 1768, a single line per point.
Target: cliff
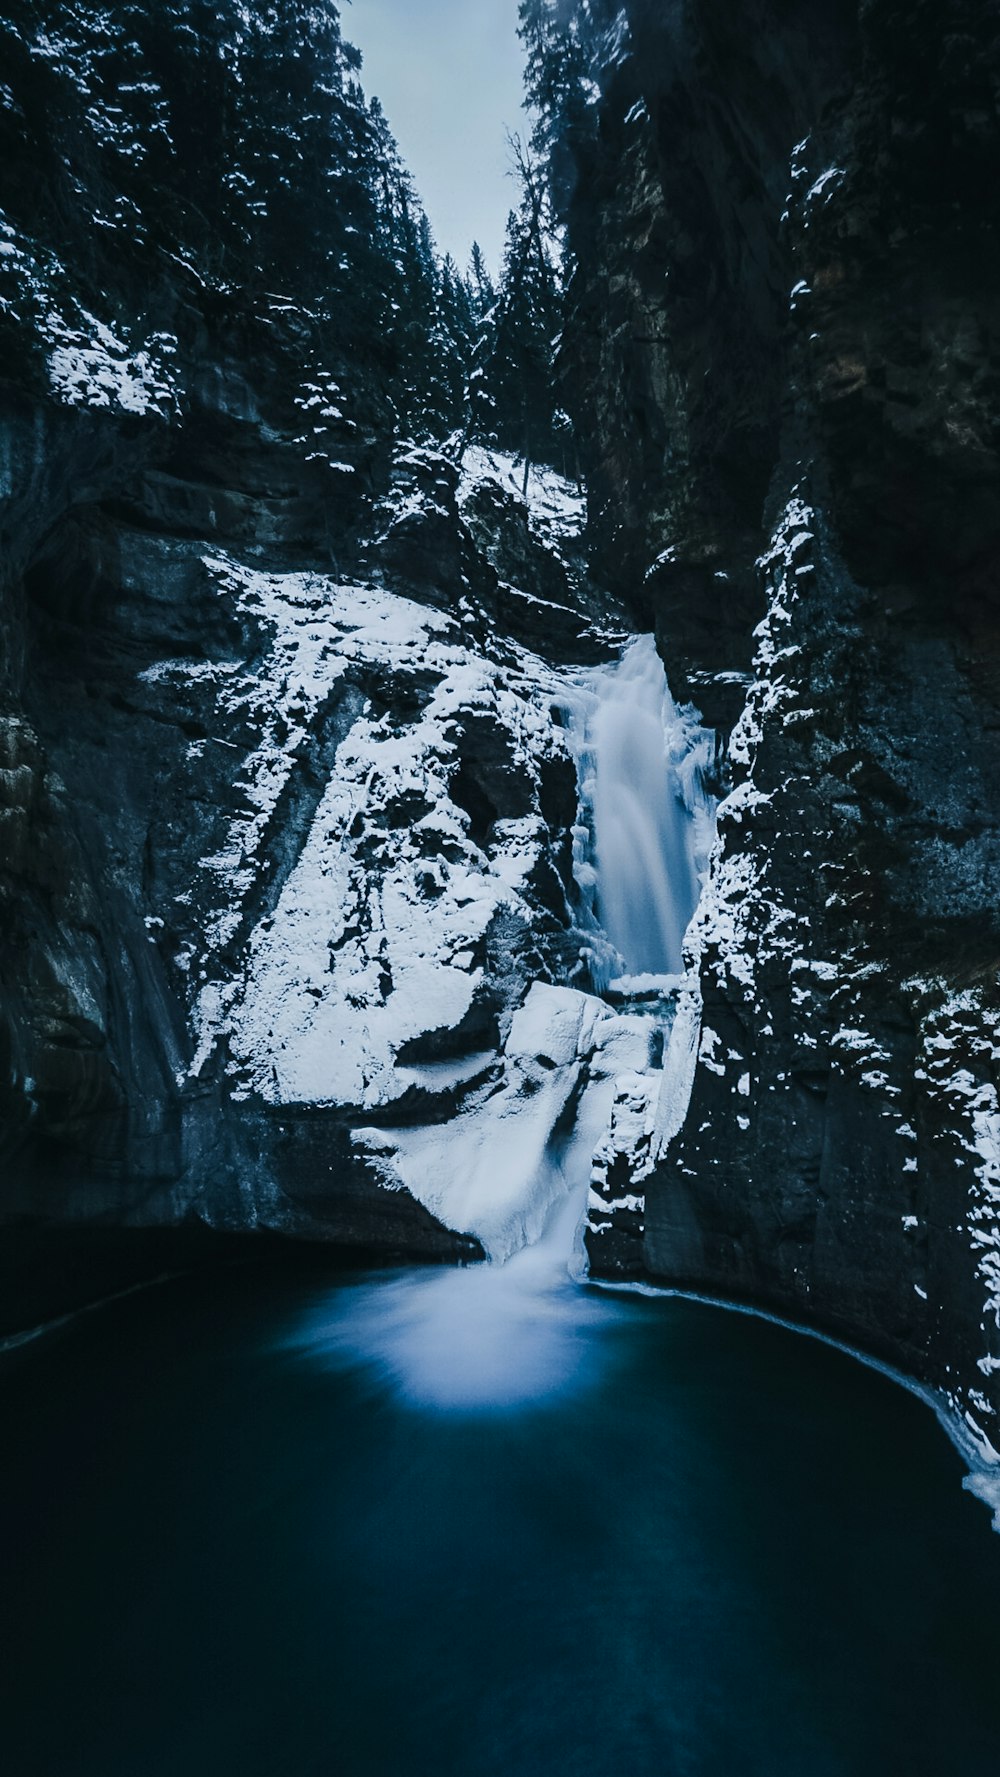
x: 285, y: 801
x: 782, y: 354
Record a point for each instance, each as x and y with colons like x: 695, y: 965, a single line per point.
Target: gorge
x: 499, y: 790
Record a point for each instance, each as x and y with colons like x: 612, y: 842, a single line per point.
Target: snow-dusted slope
x: 378, y: 936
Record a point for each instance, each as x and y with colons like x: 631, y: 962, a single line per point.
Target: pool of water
x: 449, y: 1524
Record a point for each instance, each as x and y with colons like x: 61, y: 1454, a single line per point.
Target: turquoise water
x: 289, y: 1528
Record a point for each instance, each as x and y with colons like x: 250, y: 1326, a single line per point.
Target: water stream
x: 648, y: 819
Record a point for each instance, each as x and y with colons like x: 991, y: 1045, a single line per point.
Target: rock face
x: 286, y: 802
x: 784, y: 351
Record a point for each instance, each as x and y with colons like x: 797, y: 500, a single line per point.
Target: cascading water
x: 512, y: 1332
x: 648, y: 818
x: 494, y: 1337
x: 645, y: 870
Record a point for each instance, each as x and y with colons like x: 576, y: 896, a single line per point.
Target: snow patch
x: 90, y: 366
x: 557, y: 508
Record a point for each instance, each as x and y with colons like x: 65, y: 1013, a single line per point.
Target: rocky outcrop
x: 785, y: 346
x: 285, y: 800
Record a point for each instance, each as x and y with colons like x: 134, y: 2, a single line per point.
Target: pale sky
x: 448, y: 73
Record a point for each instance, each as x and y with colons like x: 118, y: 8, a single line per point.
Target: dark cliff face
x: 786, y: 343
x: 162, y: 321
x: 267, y: 668
x: 676, y: 353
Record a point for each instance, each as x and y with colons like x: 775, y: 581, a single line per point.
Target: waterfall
x: 648, y: 819
x: 514, y: 1166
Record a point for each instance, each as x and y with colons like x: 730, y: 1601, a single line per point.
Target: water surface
x: 279, y: 1528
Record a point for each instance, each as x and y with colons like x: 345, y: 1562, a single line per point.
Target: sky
x: 448, y: 73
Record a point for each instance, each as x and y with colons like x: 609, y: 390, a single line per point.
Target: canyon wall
x: 783, y: 355
x: 284, y: 801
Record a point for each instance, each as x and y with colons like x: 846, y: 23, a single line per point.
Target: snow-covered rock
x: 527, y: 1134
x: 422, y: 836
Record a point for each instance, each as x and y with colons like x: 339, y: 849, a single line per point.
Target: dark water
x: 255, y: 1527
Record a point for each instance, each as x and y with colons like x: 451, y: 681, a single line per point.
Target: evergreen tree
x: 453, y: 344
x: 430, y: 325
x: 560, y: 40
x: 233, y: 146
x: 480, y: 398
x: 480, y: 284
x: 527, y: 316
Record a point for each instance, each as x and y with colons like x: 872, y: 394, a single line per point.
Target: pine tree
x: 560, y: 38
x: 480, y: 401
x: 481, y: 288
x: 521, y: 372
x: 453, y: 342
